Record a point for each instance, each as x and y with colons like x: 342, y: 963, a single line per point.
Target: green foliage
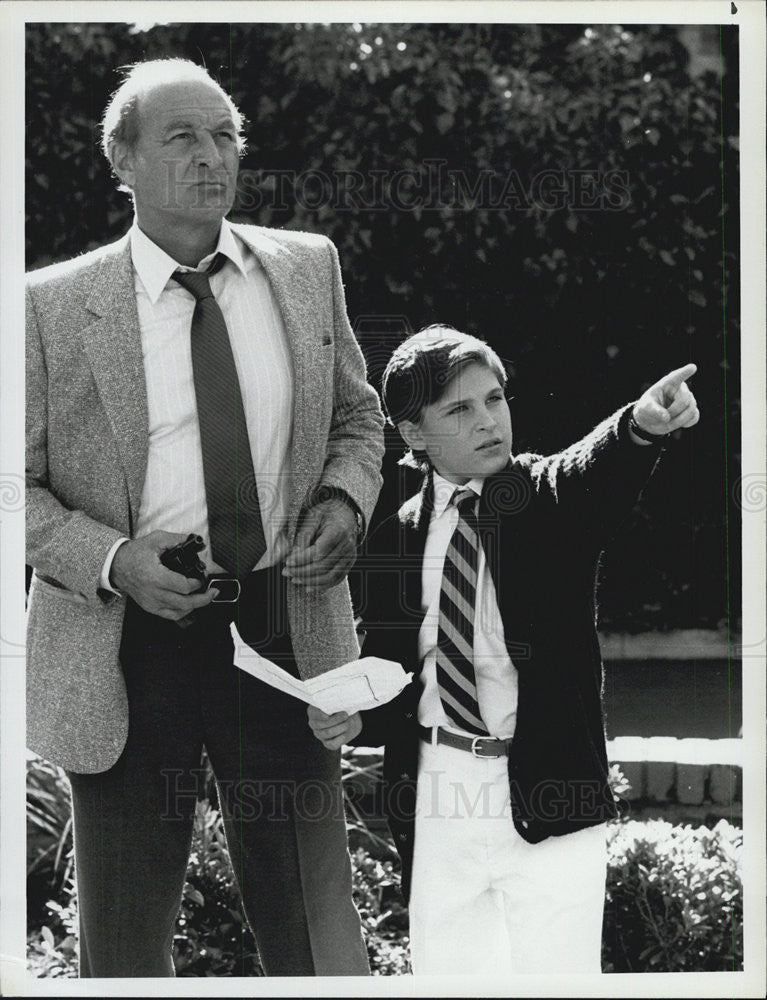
x: 52, y: 947
x: 51, y: 895
x: 50, y: 856
x: 568, y: 193
x: 383, y: 914
x: 674, y: 898
x: 212, y: 936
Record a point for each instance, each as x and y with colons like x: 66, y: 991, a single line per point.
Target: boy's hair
x: 420, y: 370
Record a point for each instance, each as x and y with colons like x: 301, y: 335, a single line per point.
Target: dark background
x: 589, y: 284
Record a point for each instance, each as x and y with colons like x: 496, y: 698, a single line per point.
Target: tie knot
x: 196, y: 282
x: 464, y: 500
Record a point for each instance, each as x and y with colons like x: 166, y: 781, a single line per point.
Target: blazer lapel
x: 287, y: 277
x: 415, y: 516
x: 112, y: 343
x: 503, y: 505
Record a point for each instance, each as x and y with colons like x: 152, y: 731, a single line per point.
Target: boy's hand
x: 669, y: 404
x: 333, y: 731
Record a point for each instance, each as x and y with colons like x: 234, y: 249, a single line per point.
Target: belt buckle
x: 475, y: 747
x: 228, y: 589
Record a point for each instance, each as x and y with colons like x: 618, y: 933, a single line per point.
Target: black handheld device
x: 183, y: 558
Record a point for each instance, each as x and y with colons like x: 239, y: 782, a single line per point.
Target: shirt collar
x: 155, y: 267
x: 444, y: 490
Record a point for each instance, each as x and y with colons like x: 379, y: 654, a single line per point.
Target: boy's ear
x: 411, y: 434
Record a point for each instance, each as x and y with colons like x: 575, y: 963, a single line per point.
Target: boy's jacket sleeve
x: 390, y: 627
x: 594, y: 482
x: 380, y: 724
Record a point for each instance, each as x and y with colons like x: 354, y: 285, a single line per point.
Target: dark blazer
x: 543, y: 523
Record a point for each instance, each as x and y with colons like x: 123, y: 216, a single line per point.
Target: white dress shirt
x: 173, y: 498
x: 495, y: 673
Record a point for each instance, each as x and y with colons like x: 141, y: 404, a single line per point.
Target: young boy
x: 483, y: 586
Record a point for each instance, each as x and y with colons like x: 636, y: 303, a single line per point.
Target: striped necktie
x: 456, y: 680
x: 234, y: 515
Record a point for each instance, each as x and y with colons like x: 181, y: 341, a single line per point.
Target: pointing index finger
x: 673, y: 380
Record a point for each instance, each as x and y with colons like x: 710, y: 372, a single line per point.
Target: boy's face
x: 467, y: 432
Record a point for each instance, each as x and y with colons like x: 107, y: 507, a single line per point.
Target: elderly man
x: 196, y: 377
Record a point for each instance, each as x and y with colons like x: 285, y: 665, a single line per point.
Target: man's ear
x: 123, y: 158
x: 411, y: 434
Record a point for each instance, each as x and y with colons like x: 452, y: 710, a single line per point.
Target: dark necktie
x: 234, y: 516
x: 456, y: 679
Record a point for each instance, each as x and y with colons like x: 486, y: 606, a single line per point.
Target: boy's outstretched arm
x: 594, y: 482
x: 667, y: 406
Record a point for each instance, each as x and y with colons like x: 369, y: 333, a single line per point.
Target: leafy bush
x: 52, y: 947
x: 674, y: 899
x: 382, y: 912
x: 212, y: 937
x: 50, y: 857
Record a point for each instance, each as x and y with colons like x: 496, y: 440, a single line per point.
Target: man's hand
x: 137, y: 571
x: 325, y: 546
x: 333, y: 731
x: 669, y: 404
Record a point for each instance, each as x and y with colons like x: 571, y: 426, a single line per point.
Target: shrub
x: 50, y: 856
x: 212, y: 936
x: 673, y: 904
x: 214, y: 939
x: 52, y: 944
x: 382, y: 912
x: 674, y: 901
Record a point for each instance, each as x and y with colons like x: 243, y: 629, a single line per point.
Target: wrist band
x: 644, y: 435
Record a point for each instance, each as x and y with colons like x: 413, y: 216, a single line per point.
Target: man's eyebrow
x: 225, y: 122
x: 180, y: 123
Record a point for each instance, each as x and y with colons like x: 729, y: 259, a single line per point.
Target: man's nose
x: 206, y: 151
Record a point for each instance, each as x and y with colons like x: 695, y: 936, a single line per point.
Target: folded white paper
x: 353, y: 687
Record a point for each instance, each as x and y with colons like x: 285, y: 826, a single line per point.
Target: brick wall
x: 673, y: 777
x: 681, y: 780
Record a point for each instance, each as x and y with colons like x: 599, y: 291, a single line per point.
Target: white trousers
x: 483, y: 900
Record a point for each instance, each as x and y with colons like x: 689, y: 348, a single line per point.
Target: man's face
x: 467, y: 432
x: 183, y: 168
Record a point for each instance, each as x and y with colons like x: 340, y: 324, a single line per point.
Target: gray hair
x: 121, y: 118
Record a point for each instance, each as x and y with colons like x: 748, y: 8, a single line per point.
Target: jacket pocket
x: 50, y: 586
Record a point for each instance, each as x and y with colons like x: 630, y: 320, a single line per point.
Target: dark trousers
x: 280, y: 796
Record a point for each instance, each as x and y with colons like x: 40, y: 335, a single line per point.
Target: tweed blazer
x: 87, y: 445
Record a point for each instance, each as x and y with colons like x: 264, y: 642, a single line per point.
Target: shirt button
x: 402, y: 836
x: 525, y: 824
x: 405, y: 776
x: 409, y: 715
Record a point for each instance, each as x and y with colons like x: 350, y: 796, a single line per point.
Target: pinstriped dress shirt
x: 173, y: 498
